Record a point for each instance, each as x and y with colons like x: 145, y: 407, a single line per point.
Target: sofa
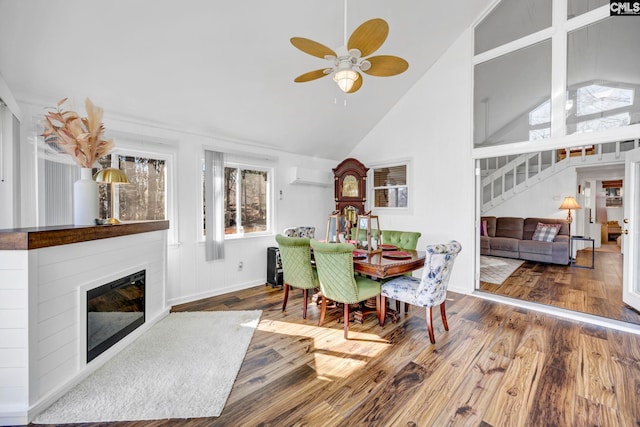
x: 512, y: 237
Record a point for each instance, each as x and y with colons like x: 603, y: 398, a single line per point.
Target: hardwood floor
x: 595, y: 291
x: 498, y: 365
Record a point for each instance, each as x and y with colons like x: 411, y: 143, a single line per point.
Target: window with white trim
x: 390, y: 186
x: 247, y: 200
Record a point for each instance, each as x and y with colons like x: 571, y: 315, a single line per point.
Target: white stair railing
x: 519, y: 174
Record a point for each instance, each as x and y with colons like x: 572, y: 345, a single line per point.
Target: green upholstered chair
x: 297, y: 270
x: 338, y: 283
x: 401, y: 239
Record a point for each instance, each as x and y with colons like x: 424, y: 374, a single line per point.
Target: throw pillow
x: 546, y: 232
x: 483, y: 228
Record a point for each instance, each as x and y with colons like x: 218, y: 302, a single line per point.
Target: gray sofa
x: 510, y: 237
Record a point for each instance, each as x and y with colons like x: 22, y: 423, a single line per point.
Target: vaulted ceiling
x: 221, y: 68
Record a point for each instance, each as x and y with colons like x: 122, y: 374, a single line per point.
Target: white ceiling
x: 221, y: 68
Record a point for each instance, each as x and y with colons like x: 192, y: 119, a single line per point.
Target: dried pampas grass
x: 81, y: 137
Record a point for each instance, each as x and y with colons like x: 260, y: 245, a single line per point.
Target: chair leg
x: 383, y: 310
x: 286, y: 296
x: 430, y: 325
x: 304, y: 304
x: 346, y: 321
x: 323, y: 309
x: 443, y: 314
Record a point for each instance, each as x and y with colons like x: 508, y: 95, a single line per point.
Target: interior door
x: 631, y: 230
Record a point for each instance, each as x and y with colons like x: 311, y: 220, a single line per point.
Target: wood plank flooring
x: 497, y: 366
x: 595, y: 291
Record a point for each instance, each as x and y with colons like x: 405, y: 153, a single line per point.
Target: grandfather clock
x: 350, y: 191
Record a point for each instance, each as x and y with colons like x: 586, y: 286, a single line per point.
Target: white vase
x: 85, y: 199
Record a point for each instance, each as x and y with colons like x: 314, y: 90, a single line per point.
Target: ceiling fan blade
x: 312, y: 75
x: 311, y: 47
x: 386, y: 65
x: 369, y: 36
x: 357, y: 84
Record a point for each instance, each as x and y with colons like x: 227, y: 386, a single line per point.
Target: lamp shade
x: 570, y: 202
x: 345, y: 79
x: 111, y: 175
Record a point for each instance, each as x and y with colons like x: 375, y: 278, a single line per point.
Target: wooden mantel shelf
x: 43, y: 237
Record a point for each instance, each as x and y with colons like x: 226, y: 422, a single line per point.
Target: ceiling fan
x: 349, y: 60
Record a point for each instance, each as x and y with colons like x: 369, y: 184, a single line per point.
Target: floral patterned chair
x: 297, y: 271
x: 429, y: 291
x: 308, y: 232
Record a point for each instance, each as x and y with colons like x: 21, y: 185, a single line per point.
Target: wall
x: 431, y: 124
x: 190, y: 277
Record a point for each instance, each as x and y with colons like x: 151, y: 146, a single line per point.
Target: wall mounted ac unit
x: 304, y: 176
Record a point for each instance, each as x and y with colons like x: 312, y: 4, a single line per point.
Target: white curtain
x: 214, y: 204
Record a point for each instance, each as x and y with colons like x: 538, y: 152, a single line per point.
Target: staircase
x: 504, y: 177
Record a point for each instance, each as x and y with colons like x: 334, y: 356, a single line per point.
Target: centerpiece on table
x: 83, y: 139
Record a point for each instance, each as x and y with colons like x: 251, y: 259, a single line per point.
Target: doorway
x: 597, y: 291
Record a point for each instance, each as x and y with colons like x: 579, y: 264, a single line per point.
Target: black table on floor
x: 593, y: 251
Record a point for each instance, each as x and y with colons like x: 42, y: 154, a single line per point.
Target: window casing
x: 390, y: 186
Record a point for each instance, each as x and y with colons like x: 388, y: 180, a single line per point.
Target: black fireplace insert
x: 114, y: 310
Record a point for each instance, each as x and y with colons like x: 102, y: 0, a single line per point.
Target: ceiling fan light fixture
x: 345, y: 79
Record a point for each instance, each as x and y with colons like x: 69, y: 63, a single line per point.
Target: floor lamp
x: 569, y: 203
x: 111, y: 176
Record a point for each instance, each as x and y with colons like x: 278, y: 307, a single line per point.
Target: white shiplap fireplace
x: 43, y: 305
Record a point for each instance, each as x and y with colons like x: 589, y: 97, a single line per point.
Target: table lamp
x: 111, y: 176
x: 569, y: 203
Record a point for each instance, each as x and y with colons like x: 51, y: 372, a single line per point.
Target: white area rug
x: 183, y: 367
x: 496, y: 270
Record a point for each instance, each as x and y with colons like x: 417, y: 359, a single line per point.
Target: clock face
x: 350, y: 186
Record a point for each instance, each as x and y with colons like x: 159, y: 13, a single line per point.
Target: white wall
x: 431, y: 124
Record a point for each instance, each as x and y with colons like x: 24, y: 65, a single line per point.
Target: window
x: 146, y: 161
x: 585, y: 63
x: 390, y: 188
x: 247, y: 199
x: 144, y: 198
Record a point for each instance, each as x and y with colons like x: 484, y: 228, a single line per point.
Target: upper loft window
x: 595, y: 99
x: 511, y: 20
x: 514, y: 79
x: 578, y: 7
x: 506, y: 90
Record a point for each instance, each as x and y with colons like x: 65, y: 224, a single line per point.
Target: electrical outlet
x: 240, y: 265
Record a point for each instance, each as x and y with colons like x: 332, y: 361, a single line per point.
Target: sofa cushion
x: 545, y: 232
x: 509, y: 227
x: 536, y: 247
x: 504, y: 244
x: 530, y: 225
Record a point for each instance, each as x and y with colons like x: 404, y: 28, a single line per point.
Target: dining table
x: 386, y: 264
x: 382, y: 265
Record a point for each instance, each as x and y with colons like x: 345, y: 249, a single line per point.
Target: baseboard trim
x: 213, y: 293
